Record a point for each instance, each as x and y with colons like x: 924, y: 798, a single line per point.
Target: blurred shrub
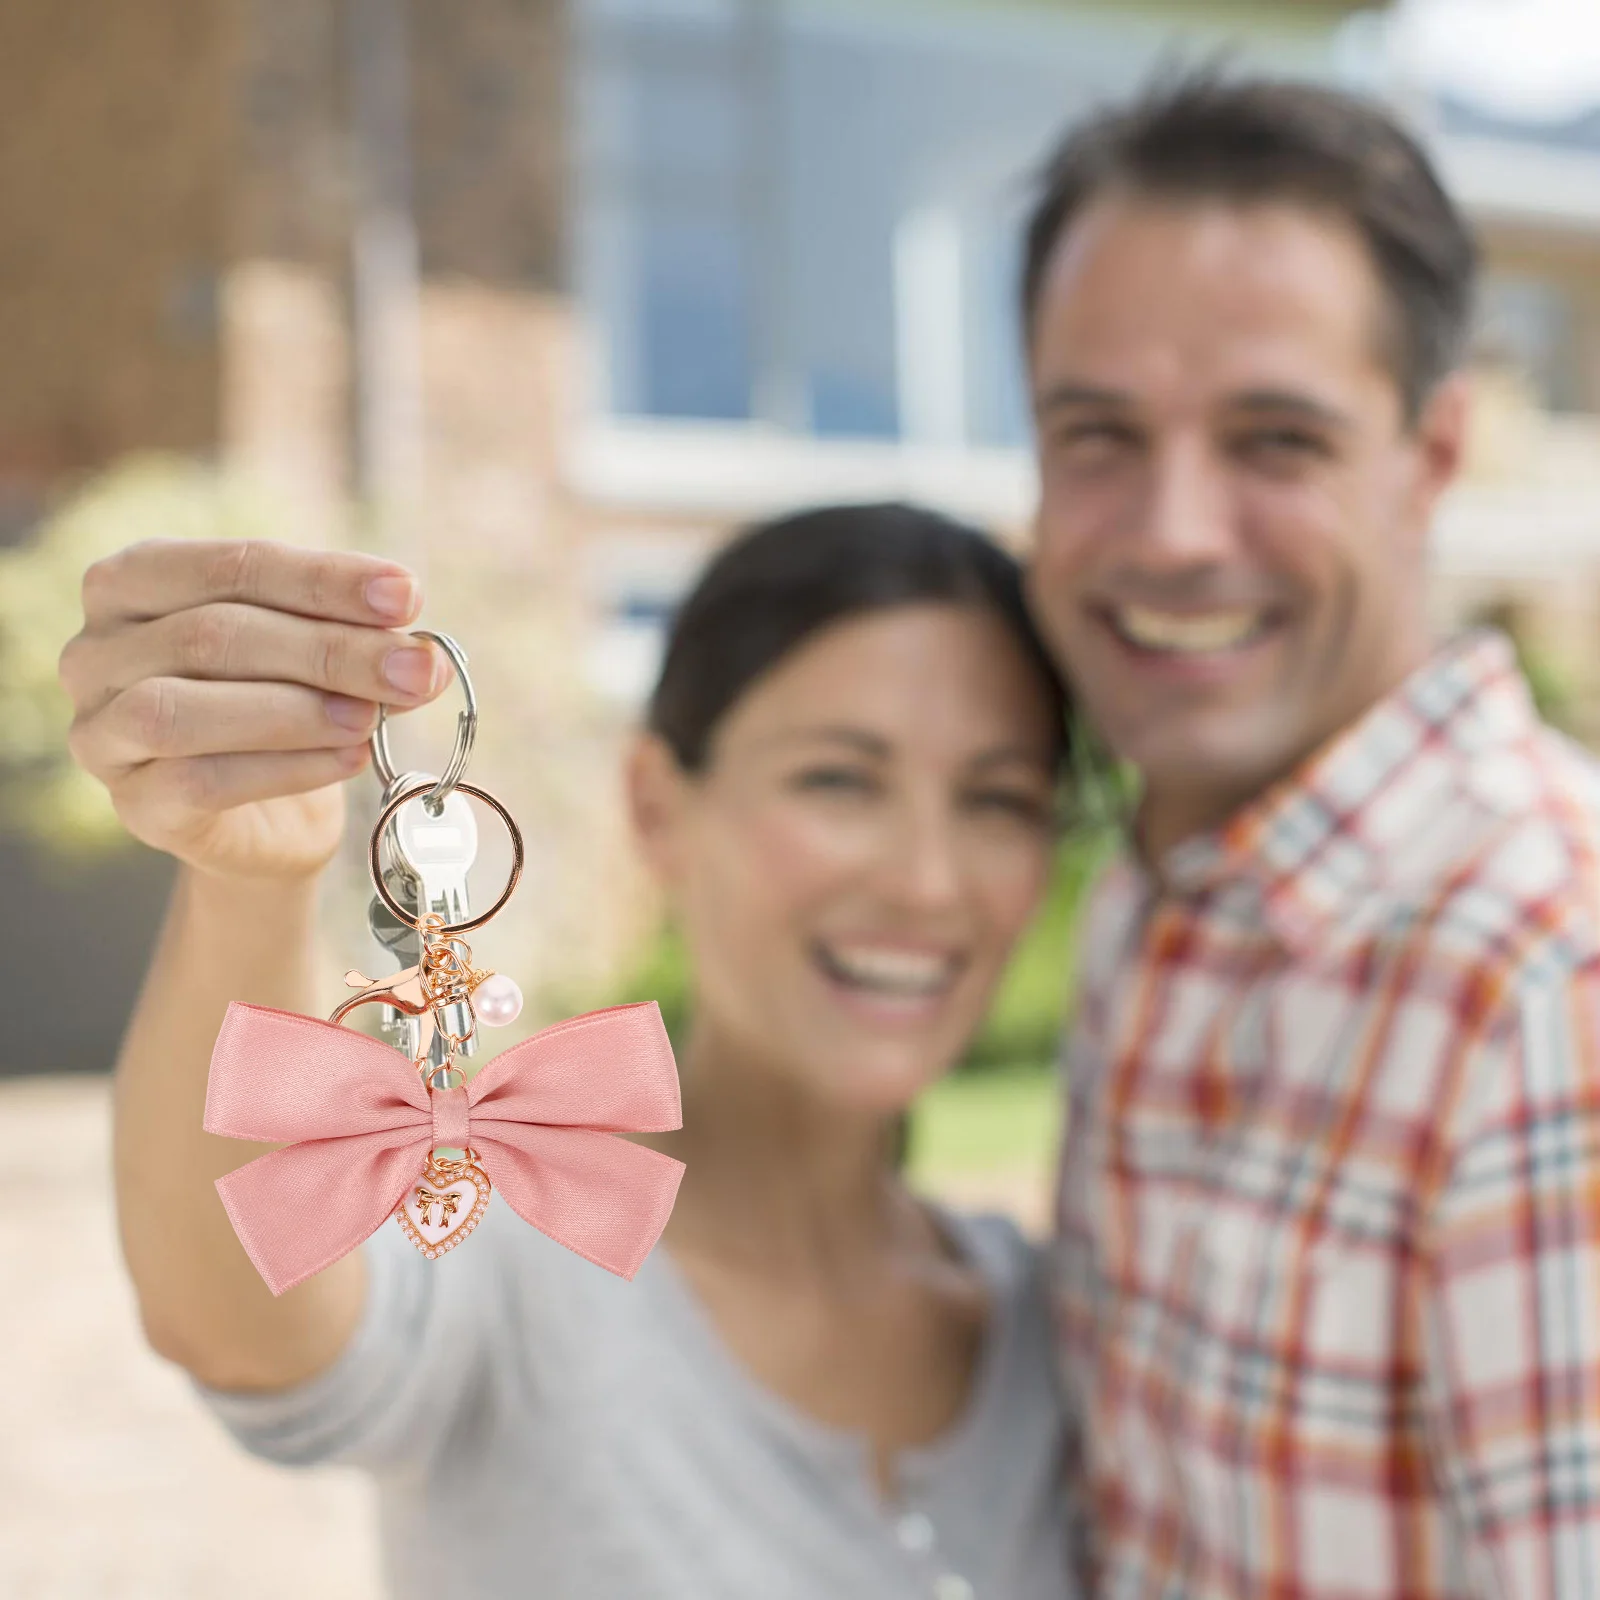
x: 1024, y: 1025
x: 42, y: 793
x: 1026, y: 1019
x: 661, y: 973
x: 1551, y: 683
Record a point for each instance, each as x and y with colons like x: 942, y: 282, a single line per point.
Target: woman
x: 819, y: 1385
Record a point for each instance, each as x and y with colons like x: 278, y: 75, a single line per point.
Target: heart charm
x: 443, y: 1206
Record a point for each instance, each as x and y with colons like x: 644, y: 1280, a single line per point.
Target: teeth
x: 1186, y: 634
x: 902, y: 972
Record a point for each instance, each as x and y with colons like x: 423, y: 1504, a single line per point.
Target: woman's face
x: 871, y: 833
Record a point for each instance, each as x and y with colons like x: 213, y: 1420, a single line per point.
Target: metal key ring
x: 466, y: 728
x: 375, y: 864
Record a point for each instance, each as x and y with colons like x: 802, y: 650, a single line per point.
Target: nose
x: 922, y: 866
x: 1185, y: 518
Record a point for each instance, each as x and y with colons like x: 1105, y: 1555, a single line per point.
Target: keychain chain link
x: 447, y: 976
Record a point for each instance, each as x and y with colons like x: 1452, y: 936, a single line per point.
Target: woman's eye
x: 1019, y: 803
x: 835, y: 780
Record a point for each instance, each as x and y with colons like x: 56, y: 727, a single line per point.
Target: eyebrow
x: 1030, y: 755
x: 1063, y: 396
x: 1278, y: 402
x: 1281, y: 401
x: 871, y: 744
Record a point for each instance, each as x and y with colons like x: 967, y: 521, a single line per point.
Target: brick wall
x: 489, y: 139
x: 114, y: 152
x: 290, y: 188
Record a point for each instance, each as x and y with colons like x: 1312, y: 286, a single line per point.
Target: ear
x: 658, y: 794
x: 1441, y: 436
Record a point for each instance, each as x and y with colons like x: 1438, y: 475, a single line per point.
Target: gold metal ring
x: 412, y: 920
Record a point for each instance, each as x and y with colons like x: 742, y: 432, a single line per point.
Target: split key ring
x: 466, y: 729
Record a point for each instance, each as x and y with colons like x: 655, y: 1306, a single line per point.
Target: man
x: 1329, y: 1244
x: 1330, y: 1233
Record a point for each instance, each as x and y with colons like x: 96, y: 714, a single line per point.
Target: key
x: 437, y: 852
x: 397, y: 938
x: 440, y: 852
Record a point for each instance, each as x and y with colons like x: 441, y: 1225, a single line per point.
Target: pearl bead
x: 497, y: 1000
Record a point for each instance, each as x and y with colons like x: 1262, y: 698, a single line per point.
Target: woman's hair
x: 780, y: 582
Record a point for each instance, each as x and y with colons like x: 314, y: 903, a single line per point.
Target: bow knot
x: 452, y: 1118
x: 358, y: 1126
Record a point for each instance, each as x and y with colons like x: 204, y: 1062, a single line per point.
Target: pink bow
x: 359, y: 1127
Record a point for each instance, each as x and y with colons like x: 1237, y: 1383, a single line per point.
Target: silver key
x: 439, y: 851
x: 436, y: 853
x: 397, y: 938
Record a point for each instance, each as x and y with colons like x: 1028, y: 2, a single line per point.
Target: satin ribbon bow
x: 359, y: 1126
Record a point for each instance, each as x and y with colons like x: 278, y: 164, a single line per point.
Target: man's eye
x: 1095, y: 435
x: 1284, y: 444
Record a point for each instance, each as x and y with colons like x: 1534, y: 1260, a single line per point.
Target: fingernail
x: 410, y: 670
x: 394, y: 595
x: 348, y: 712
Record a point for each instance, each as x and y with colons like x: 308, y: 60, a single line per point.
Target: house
x: 544, y: 298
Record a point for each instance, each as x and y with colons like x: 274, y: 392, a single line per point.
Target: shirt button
x: 952, y: 1586
x: 915, y: 1532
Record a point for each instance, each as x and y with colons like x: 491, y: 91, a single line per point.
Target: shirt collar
x: 1326, y: 836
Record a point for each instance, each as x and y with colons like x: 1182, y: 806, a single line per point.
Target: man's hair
x: 1203, y: 136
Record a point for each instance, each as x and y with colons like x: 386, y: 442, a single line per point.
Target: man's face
x: 1230, y: 555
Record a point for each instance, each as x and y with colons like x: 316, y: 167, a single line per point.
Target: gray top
x: 540, y: 1428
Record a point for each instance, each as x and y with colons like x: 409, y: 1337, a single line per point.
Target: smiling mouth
x: 889, y: 972
x: 1193, y: 633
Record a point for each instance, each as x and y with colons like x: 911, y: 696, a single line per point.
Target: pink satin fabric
x: 358, y: 1127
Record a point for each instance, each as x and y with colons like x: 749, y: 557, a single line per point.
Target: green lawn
x: 1001, y: 1119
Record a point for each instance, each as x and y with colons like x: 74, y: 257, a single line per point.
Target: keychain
x: 372, y: 1131
x: 429, y: 850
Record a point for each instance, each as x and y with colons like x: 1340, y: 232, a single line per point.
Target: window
x: 635, y: 584
x: 803, y: 213
x: 1530, y: 324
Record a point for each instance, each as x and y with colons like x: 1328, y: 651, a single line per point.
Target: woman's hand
x: 223, y: 691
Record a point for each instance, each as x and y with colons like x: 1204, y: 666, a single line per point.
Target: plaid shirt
x: 1329, y: 1231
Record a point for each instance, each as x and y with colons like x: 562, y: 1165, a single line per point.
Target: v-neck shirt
x: 539, y: 1428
